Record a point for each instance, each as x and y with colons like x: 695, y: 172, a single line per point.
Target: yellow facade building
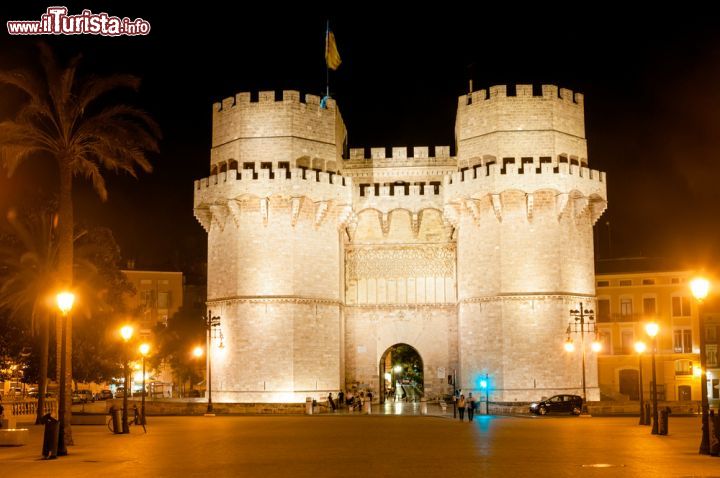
x: 159, y: 294
x: 626, y: 302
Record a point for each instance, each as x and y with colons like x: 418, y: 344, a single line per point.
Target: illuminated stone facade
x: 318, y: 264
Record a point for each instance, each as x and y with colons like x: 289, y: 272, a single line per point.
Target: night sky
x: 652, y: 92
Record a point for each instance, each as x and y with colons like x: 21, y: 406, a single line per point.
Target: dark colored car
x: 104, y: 395
x: 558, y: 404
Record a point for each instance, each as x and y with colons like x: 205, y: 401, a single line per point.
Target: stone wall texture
x: 317, y: 265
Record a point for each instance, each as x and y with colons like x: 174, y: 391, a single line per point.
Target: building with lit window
x: 159, y: 294
x: 625, y: 303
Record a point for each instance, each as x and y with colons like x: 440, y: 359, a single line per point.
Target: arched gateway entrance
x: 401, y: 374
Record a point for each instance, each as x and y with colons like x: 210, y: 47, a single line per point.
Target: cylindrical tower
x: 272, y: 208
x: 524, y: 203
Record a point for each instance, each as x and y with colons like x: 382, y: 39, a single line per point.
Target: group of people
x: 468, y: 403
x: 349, y: 400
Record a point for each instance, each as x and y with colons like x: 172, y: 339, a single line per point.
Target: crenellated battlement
x: 248, y: 99
x: 530, y: 177
x: 295, y: 182
x: 401, y: 153
x: 522, y: 92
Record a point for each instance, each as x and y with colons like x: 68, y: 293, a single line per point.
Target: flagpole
x: 327, y: 67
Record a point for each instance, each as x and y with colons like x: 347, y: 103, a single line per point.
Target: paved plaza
x: 373, y: 446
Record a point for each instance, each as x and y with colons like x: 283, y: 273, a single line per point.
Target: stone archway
x: 401, y: 374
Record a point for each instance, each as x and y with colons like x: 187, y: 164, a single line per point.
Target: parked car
x: 104, y: 395
x: 558, y: 404
x: 82, y: 396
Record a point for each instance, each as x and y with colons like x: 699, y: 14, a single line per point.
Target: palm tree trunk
x: 44, y: 352
x: 58, y: 347
x: 65, y: 273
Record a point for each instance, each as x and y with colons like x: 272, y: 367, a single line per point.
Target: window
x: 603, y: 314
x: 627, y: 342
x: 683, y: 367
x: 605, y: 340
x: 675, y: 280
x: 682, y: 341
x: 711, y: 333
x: 625, y: 282
x: 684, y: 393
x: 648, y: 282
x: 711, y: 355
x: 603, y: 283
x: 163, y: 301
x: 649, y: 306
x: 681, y: 306
x: 626, y: 307
x: 146, y: 299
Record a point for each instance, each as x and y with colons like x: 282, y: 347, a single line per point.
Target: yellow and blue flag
x: 332, y: 56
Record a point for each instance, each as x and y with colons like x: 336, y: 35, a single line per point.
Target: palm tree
x: 29, y: 259
x: 64, y: 120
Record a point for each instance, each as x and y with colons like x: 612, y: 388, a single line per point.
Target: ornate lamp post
x: 126, y: 332
x: 640, y: 347
x: 65, y: 301
x: 700, y: 288
x: 211, y: 323
x: 144, y: 350
x: 652, y: 330
x: 582, y: 321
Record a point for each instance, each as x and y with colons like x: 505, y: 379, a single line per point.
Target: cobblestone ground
x: 373, y: 446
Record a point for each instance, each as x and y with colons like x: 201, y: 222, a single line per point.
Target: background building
x: 625, y: 303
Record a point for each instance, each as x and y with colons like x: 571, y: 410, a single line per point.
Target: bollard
x: 50, y: 437
x: 423, y: 406
x: 663, y: 425
x: 308, y: 406
x: 714, y: 433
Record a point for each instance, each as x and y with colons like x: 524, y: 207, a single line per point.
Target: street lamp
x: 700, y: 288
x: 640, y: 347
x: 144, y: 350
x: 65, y: 301
x: 211, y: 323
x: 484, y: 386
x: 579, y: 319
x: 126, y: 332
x: 652, y: 330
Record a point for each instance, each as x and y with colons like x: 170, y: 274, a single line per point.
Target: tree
x: 28, y: 260
x: 185, y: 330
x: 63, y: 119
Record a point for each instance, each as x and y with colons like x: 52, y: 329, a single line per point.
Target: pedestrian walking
x: 461, y: 407
x: 341, y: 398
x: 471, y: 406
x: 331, y: 402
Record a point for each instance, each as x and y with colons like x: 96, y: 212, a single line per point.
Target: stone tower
x: 271, y: 208
x: 524, y: 203
x: 320, y: 267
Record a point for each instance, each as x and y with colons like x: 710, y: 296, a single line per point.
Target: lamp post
x: 210, y: 323
x: 652, y: 330
x: 65, y: 301
x: 640, y: 347
x: 484, y: 386
x: 144, y: 350
x: 700, y: 288
x: 579, y: 319
x: 126, y: 332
